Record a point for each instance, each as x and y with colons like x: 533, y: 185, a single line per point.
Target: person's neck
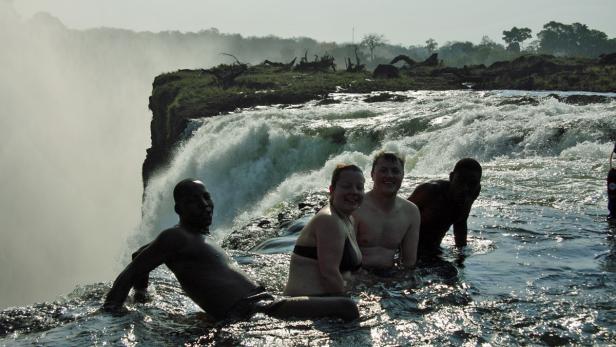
x: 203, y: 230
x: 344, y: 216
x: 383, y: 201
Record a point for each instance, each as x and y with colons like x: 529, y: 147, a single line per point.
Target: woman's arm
x: 330, y: 238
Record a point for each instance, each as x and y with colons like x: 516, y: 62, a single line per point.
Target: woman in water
x: 326, y: 250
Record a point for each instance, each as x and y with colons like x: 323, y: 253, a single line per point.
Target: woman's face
x: 348, y: 193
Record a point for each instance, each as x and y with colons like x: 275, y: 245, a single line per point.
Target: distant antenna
x: 353, y: 36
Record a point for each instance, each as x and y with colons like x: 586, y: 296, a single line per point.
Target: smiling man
x: 386, y: 223
x: 208, y: 275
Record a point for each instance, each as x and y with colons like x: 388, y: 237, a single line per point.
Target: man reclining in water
x: 207, y: 274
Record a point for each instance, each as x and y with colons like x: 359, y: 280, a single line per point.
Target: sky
x: 405, y: 22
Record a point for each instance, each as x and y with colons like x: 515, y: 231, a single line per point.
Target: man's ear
x: 450, y: 176
x: 176, y: 208
x: 331, y: 189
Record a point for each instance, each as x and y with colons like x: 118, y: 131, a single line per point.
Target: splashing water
x: 541, y: 263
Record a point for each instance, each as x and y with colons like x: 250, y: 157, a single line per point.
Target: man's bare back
x: 207, y: 274
x: 445, y: 203
x: 386, y: 223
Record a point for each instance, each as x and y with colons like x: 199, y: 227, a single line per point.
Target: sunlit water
x: 541, y: 263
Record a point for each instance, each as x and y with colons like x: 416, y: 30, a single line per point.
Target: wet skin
x: 386, y: 223
x: 328, y: 231
x: 443, y: 204
x: 204, y: 270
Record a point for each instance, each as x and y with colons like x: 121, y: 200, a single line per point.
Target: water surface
x: 540, y: 267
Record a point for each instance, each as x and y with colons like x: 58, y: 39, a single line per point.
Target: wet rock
x: 385, y: 97
x: 328, y: 101
x: 582, y: 100
x: 553, y: 339
x: 525, y: 100
x: 263, y: 223
x: 261, y: 229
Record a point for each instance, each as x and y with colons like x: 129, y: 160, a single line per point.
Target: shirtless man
x: 444, y: 203
x: 207, y: 274
x: 386, y: 223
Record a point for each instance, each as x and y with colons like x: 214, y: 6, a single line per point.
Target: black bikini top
x: 349, y: 262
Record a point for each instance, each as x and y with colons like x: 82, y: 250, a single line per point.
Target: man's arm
x: 408, y: 249
x: 154, y: 254
x: 460, y: 228
x: 141, y: 282
x: 421, y: 195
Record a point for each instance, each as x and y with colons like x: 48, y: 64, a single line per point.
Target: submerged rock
x: 258, y: 230
x: 385, y: 97
x: 582, y: 100
x: 524, y: 100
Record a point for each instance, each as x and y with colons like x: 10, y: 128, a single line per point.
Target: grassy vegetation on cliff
x: 197, y: 95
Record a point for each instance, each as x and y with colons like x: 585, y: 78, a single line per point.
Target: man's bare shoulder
x: 429, y: 191
x: 173, y: 237
x: 404, y: 204
x: 407, y: 208
x: 432, y: 186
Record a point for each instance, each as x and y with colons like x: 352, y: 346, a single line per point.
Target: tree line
x: 558, y: 39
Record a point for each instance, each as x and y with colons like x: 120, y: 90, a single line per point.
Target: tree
x: 573, y: 40
x: 514, y: 37
x: 373, y: 41
x: 431, y: 45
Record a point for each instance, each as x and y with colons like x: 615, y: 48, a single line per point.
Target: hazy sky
x: 401, y: 21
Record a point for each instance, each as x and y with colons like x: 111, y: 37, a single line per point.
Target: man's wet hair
x: 389, y: 156
x: 467, y: 164
x: 183, y: 188
x: 340, y: 168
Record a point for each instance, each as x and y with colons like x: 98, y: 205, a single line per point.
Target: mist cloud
x: 74, y: 126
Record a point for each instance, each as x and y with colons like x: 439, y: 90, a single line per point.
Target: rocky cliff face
x: 188, y: 94
x: 166, y: 126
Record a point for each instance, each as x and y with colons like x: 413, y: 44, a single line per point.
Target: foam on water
x: 540, y: 267
x: 253, y: 160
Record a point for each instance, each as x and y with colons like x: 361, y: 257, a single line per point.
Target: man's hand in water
x: 112, y: 307
x: 141, y: 296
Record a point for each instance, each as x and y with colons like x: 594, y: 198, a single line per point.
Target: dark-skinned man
x: 207, y: 274
x: 445, y: 203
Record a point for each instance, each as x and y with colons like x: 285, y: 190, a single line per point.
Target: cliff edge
x: 180, y: 96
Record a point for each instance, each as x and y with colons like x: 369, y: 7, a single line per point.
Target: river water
x: 540, y: 267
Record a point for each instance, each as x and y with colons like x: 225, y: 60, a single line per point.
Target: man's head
x: 465, y: 179
x: 193, y: 204
x: 387, y: 172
